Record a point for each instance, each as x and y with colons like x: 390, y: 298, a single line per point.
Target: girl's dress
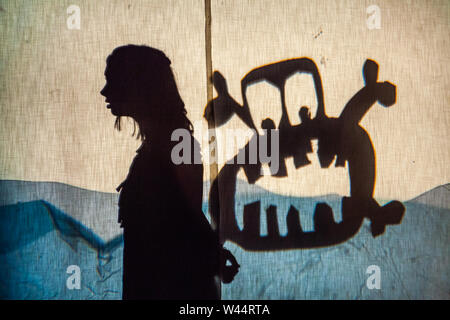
x: 170, y: 249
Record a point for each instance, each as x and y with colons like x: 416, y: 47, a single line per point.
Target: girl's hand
x: 227, y: 273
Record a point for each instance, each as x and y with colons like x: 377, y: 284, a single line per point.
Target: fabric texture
x: 61, y: 158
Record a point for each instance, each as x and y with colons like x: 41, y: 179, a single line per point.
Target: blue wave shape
x: 38, y: 242
x: 23, y: 223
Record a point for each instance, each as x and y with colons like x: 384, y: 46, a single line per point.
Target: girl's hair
x: 149, y: 71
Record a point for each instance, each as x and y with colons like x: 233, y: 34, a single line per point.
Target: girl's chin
x: 113, y: 110
x: 117, y: 111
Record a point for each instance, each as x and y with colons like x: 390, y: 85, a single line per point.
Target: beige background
x: 55, y: 126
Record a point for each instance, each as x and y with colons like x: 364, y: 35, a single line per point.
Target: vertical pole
x: 213, y: 167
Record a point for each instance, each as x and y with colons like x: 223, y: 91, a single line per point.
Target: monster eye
x: 264, y: 102
x: 300, y: 92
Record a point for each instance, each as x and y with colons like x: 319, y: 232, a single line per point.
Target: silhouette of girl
x: 170, y: 250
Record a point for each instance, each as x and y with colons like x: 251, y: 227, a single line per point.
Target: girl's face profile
x: 121, y: 93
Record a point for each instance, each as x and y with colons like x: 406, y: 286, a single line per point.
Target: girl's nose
x: 103, y: 91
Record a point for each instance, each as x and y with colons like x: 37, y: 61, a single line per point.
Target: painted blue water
x: 38, y: 242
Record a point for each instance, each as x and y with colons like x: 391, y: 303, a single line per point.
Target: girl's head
x: 140, y: 84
